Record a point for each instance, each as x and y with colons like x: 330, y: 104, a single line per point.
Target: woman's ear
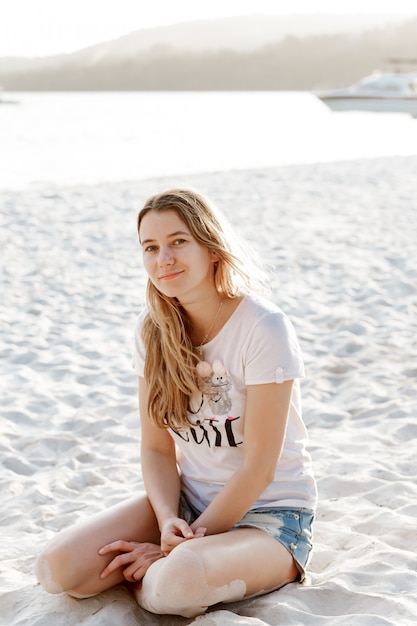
x: 214, y: 256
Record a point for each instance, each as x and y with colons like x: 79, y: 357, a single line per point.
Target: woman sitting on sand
x: 230, y: 493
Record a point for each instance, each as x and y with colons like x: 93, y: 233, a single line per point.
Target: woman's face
x: 176, y: 263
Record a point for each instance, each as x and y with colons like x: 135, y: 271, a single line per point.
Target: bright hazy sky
x: 43, y: 27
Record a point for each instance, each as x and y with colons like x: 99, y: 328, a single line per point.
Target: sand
x: 342, y: 237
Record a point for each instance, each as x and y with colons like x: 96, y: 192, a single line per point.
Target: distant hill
x: 240, y: 53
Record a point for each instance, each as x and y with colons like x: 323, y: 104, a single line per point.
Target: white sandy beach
x: 342, y: 237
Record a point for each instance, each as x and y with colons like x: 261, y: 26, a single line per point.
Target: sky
x: 43, y: 27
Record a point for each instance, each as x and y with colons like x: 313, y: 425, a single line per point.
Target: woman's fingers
x: 176, y: 533
x: 136, y: 571
x: 137, y: 556
x: 126, y: 547
x: 186, y: 531
x: 119, y: 546
x: 118, y: 561
x: 178, y: 527
x: 147, y: 554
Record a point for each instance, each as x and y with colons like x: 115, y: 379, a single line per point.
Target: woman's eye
x: 179, y: 242
x: 150, y: 249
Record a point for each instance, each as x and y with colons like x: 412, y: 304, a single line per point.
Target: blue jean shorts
x: 292, y: 527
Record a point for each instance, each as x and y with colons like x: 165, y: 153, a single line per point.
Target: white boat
x: 394, y: 92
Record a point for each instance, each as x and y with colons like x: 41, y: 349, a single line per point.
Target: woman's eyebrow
x: 177, y: 232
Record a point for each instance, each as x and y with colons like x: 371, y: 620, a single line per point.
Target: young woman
x: 230, y: 493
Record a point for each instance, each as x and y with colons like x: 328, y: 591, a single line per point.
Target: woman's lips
x: 170, y: 275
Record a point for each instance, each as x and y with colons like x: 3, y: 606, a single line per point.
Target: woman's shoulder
x: 270, y: 347
x: 260, y: 307
x: 264, y: 318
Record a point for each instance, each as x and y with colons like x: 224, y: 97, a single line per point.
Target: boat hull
x: 376, y: 105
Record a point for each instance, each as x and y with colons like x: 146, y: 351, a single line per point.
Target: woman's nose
x: 166, y: 256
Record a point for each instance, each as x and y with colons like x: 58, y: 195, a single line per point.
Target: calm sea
x: 71, y: 138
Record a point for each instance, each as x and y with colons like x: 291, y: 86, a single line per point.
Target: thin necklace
x: 200, y: 347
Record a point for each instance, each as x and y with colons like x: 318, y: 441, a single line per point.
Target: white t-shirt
x: 257, y: 345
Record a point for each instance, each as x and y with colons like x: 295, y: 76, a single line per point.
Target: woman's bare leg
x: 70, y: 561
x: 218, y: 568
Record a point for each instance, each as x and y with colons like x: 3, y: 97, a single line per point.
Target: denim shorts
x: 292, y: 527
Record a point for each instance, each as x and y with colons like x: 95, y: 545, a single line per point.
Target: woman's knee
x: 179, y: 585
x: 55, y: 567
x: 46, y: 571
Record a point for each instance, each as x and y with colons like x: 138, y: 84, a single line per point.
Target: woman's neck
x: 207, y: 317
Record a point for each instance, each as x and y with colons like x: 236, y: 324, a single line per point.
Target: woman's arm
x: 266, y: 415
x: 159, y: 467
x: 162, y: 483
x: 161, y: 478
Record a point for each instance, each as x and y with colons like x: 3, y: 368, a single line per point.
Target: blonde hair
x: 170, y: 363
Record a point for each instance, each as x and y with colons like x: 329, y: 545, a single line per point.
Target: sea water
x: 88, y: 138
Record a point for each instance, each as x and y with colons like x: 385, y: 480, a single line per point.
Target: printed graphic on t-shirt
x: 214, y: 383
x: 215, y: 430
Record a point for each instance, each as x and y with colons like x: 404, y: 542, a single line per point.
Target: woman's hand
x: 136, y: 556
x: 176, y: 530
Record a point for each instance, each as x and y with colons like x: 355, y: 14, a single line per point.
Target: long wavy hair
x: 170, y: 362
